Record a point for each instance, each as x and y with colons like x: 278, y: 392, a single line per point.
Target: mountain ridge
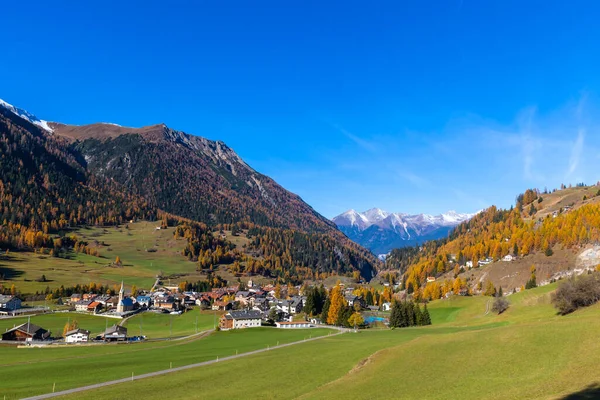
x: 169, y: 171
x: 381, y: 231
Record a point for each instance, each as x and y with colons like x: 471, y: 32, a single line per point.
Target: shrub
x: 577, y: 292
x: 548, y: 252
x: 500, y: 305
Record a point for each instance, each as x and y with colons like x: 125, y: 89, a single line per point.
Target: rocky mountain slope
x: 104, y: 173
x: 381, y: 231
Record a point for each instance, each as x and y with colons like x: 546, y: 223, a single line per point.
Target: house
x: 243, y: 297
x: 115, y: 333
x: 240, y: 319
x: 386, y: 306
x: 261, y: 304
x: 430, y: 279
x: 203, y: 301
x: 352, y: 300
x: 469, y: 264
x: 89, y: 296
x: 26, y: 333
x: 144, y: 301
x: 166, y: 303
x: 222, y: 305
x: 508, y: 258
x: 373, y: 308
x: 94, y: 307
x: 292, y: 306
x: 103, y: 299
x: 10, y: 302
x: 82, y: 305
x: 75, y: 297
x: 294, y: 325
x: 77, y: 336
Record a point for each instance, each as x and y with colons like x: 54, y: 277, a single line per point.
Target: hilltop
x: 555, y: 233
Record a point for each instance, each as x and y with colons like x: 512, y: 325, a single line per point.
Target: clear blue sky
x: 414, y: 106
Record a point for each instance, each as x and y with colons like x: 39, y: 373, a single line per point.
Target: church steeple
x: 120, y: 303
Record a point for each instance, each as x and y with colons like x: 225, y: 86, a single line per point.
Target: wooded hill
x: 104, y: 174
x: 540, y: 222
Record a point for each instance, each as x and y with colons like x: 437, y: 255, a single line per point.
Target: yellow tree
x: 356, y: 319
x: 118, y: 260
x: 337, y: 302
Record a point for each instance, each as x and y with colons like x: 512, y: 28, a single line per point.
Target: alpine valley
x: 381, y: 231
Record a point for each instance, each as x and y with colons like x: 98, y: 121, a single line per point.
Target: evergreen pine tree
x: 418, y: 315
x: 426, y: 316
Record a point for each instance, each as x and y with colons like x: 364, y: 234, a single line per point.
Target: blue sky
x: 415, y: 106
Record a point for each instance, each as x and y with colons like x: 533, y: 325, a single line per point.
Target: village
x: 234, y: 307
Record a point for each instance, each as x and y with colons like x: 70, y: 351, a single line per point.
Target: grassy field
x: 527, y: 352
x: 165, y: 325
x: 55, y: 322
x: 75, y: 366
x: 143, y: 250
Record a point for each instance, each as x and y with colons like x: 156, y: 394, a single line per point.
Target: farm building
x: 240, y: 319
x: 115, y: 333
x: 26, y: 333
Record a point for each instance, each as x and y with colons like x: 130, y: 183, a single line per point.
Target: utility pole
x: 196, y: 324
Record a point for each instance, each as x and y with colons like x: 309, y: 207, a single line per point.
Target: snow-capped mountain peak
x: 27, y: 116
x: 381, y: 231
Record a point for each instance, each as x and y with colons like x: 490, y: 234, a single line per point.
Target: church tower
x: 120, y: 303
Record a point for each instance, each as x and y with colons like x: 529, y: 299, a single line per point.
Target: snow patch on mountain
x: 382, y: 231
x: 27, y: 116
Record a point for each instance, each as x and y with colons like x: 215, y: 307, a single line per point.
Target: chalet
x: 386, y: 306
x: 430, y: 279
x: 294, y: 325
x: 292, y: 306
x: 240, y: 319
x: 469, y: 264
x: 115, y: 333
x: 144, y: 301
x: 166, y: 303
x: 10, y: 303
x: 508, y: 258
x: 94, y: 307
x: 261, y: 304
x: 26, y: 333
x: 77, y: 336
x: 82, y: 305
x: 352, y: 300
x: 75, y: 297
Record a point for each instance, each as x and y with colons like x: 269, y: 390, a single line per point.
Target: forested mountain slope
x: 53, y: 176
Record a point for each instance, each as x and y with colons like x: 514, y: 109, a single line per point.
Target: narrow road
x: 167, y: 371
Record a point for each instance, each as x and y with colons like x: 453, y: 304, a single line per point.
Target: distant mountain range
x: 381, y: 231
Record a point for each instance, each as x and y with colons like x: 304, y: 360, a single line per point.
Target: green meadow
x: 155, y: 325
x: 55, y: 322
x: 143, y: 250
x: 74, y: 366
x: 526, y: 352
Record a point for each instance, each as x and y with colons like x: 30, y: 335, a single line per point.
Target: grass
x: 55, y: 322
x: 527, y: 352
x: 70, y: 367
x: 165, y: 325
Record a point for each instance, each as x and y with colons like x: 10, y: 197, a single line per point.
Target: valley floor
x: 527, y: 352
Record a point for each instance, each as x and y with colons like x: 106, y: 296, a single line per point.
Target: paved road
x: 167, y: 371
